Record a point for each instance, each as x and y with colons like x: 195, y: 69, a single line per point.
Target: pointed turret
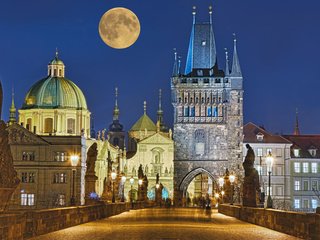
x: 12, y: 116
x: 116, y: 110
x: 296, y: 128
x: 175, y: 71
x: 92, y: 130
x: 236, y: 70
x: 202, y: 52
x: 160, y: 111
x: 227, y: 73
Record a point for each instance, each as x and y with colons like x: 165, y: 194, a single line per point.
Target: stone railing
x: 22, y: 225
x: 303, y: 225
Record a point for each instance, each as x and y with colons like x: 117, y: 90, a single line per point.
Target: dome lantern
x: 56, y: 67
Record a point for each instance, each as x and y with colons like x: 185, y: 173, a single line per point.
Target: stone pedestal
x: 249, y: 192
x: 90, y: 188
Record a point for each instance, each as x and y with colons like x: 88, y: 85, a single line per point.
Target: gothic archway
x: 190, y: 176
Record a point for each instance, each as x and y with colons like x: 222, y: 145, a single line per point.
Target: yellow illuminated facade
x: 55, y: 105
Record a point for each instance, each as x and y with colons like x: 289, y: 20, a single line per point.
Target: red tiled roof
x: 250, y: 131
x: 305, y: 143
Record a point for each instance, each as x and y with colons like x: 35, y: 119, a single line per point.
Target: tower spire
x: 160, y: 111
x: 175, y: 71
x: 12, y: 110
x: 144, y: 107
x: 236, y: 70
x: 116, y: 110
x: 227, y: 73
x: 179, y: 65
x: 296, y: 129
x: 210, y: 13
x: 57, y: 53
x: 194, y: 8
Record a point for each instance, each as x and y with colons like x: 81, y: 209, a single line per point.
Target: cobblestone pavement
x: 166, y: 224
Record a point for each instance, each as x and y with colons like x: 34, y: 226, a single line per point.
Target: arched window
x: 186, y: 111
x: 48, y: 125
x: 209, y: 111
x: 71, y: 125
x: 29, y: 124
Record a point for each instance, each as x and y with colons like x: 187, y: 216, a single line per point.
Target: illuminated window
x: 60, y: 178
x: 259, y: 152
x: 305, y: 167
x: 297, y: 203
x: 314, y: 167
x: 60, y: 156
x: 296, y: 152
x: 62, y: 200
x: 297, y: 185
x: 260, y: 137
x: 27, y: 199
x: 314, y: 203
x: 297, y: 167
x: 71, y: 123
x: 48, y: 125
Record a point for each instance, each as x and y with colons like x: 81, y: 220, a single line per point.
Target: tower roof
x: 202, y: 52
x: 296, y: 128
x: 236, y: 69
x: 144, y: 122
x: 55, y: 91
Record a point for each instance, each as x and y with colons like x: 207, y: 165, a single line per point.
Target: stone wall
x: 18, y: 226
x: 303, y: 225
x: 12, y: 226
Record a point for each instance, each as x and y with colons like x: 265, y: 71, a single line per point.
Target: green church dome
x: 55, y: 92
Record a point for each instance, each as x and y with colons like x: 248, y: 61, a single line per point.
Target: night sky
x: 278, y: 46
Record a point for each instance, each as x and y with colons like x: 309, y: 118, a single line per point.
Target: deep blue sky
x: 278, y: 46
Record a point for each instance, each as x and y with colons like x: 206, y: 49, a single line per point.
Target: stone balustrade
x: 23, y: 225
x: 303, y: 225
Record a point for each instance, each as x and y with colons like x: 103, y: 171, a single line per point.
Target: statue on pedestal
x: 90, y: 177
x: 251, y: 186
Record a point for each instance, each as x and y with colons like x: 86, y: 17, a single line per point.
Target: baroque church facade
x: 208, y: 111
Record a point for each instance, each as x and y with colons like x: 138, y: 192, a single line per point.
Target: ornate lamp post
x: 140, y: 189
x: 232, y: 178
x: 74, y: 163
x: 156, y: 195
x: 221, y: 182
x: 113, y: 177
x: 269, y: 162
x: 131, y: 183
x: 123, y: 180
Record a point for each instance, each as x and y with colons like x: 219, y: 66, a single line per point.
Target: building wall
x: 42, y: 158
x: 155, y: 153
x: 280, y: 185
x: 303, y: 198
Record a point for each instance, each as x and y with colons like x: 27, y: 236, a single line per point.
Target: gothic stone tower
x: 208, y: 112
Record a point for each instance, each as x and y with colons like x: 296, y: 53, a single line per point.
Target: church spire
x: 227, y: 73
x: 160, y: 111
x: 12, y: 116
x: 296, y: 129
x: 145, y: 107
x: 236, y: 70
x: 116, y: 110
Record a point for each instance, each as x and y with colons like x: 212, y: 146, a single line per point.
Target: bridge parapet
x: 303, y: 225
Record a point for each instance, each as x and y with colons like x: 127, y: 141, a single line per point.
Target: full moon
x: 119, y: 28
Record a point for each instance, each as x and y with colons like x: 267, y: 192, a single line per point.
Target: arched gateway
x: 208, y: 111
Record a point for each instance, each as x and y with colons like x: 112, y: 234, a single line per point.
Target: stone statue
x: 251, y: 186
x: 140, y: 172
x: 98, y: 135
x: 90, y: 177
x: 103, y: 134
x: 8, y: 175
x: 91, y: 158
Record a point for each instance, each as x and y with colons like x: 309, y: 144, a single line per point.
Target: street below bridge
x: 166, y: 224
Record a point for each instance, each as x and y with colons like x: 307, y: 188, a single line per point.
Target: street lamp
x: 222, y: 194
x: 269, y: 162
x: 157, y: 192
x: 131, y: 183
x: 74, y: 163
x: 123, y: 180
x: 232, y: 178
x: 113, y: 177
x: 140, y: 190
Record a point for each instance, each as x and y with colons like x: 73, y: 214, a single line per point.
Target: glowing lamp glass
x: 131, y: 180
x: 232, y: 178
x: 113, y: 175
x: 74, y: 160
